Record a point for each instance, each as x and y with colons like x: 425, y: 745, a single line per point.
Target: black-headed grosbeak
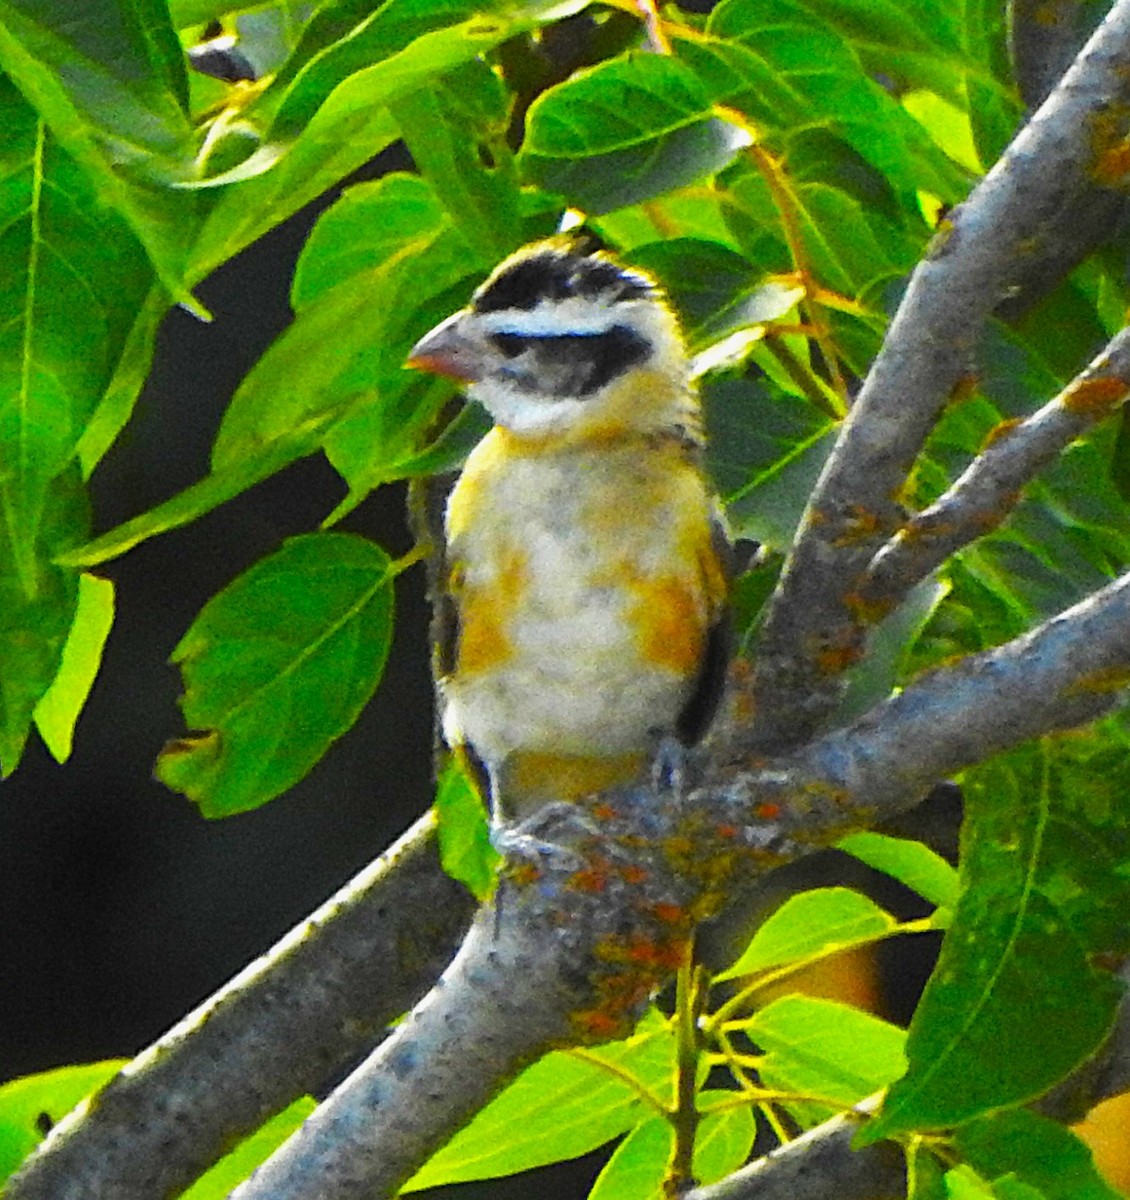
x: 584, y: 580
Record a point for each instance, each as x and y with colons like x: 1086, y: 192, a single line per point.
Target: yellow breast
x: 585, y: 581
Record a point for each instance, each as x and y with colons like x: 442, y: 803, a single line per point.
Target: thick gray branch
x: 584, y: 933
x: 500, y: 1005
x: 990, y: 488
x: 812, y: 631
x: 319, y: 998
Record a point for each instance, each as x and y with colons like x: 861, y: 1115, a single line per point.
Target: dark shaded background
x: 122, y: 907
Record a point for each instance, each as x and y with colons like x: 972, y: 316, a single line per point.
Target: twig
x: 1072, y: 145
x: 990, y: 487
x: 316, y: 1000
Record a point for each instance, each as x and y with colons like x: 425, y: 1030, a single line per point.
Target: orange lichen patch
x: 1048, y: 15
x: 668, y: 624
x: 1109, y: 679
x: 728, y: 831
x: 593, y: 1024
x: 590, y: 879
x: 767, y: 812
x: 522, y: 873
x: 834, y: 659
x: 604, y: 811
x: 669, y: 914
x: 1110, y: 148
x: 965, y: 388
x: 1096, y: 397
x: 866, y: 610
x: 860, y: 525
x: 1112, y: 164
x: 634, y: 874
x: 1000, y: 430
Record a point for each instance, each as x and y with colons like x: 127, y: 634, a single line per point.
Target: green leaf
x: 456, y: 131
x: 624, y: 131
x: 714, y: 289
x: 71, y: 278
x: 345, y: 352
x: 724, y: 1137
x: 1015, y: 1003
x: 765, y: 452
x: 369, y: 224
x: 116, y: 405
x: 822, y: 1048
x: 465, y: 850
x: 35, y: 1102
x: 963, y: 1183
x: 59, y: 707
x: 911, y: 863
x: 396, y: 49
x: 108, y: 85
x: 235, y: 1167
x: 36, y: 613
x: 562, y: 1107
x: 276, y: 667
x: 344, y: 135
x: 637, y: 1167
x: 1037, y: 1152
x: 787, y: 70
x: 810, y: 925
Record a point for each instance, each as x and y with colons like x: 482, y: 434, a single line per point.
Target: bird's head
x: 559, y: 341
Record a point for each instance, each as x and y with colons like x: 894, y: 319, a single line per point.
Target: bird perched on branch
x: 583, y: 596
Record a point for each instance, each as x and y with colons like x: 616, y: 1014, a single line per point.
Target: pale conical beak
x: 447, y: 350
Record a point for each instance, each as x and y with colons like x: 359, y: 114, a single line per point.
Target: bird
x: 583, y: 596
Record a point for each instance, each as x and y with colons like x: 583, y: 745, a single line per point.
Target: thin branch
x: 816, y: 1166
x: 583, y: 934
x: 812, y: 633
x: 319, y: 998
x: 990, y: 488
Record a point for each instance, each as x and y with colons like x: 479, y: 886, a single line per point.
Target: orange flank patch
x: 1096, y: 397
x: 668, y: 624
x: 483, y: 641
x: 537, y: 776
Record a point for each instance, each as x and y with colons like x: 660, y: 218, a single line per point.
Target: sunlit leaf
x: 811, y: 924
x: 276, y: 667
x: 59, y: 707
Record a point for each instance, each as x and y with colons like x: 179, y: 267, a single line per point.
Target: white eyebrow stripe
x: 557, y: 319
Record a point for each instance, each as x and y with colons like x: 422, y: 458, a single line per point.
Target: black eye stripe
x: 575, y: 364
x: 511, y: 344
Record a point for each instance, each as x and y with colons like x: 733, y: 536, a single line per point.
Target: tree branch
x: 812, y: 632
x: 990, y: 487
x: 321, y: 996
x: 582, y: 935
x: 817, y: 1165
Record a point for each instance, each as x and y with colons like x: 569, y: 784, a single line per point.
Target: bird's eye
x: 511, y: 344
